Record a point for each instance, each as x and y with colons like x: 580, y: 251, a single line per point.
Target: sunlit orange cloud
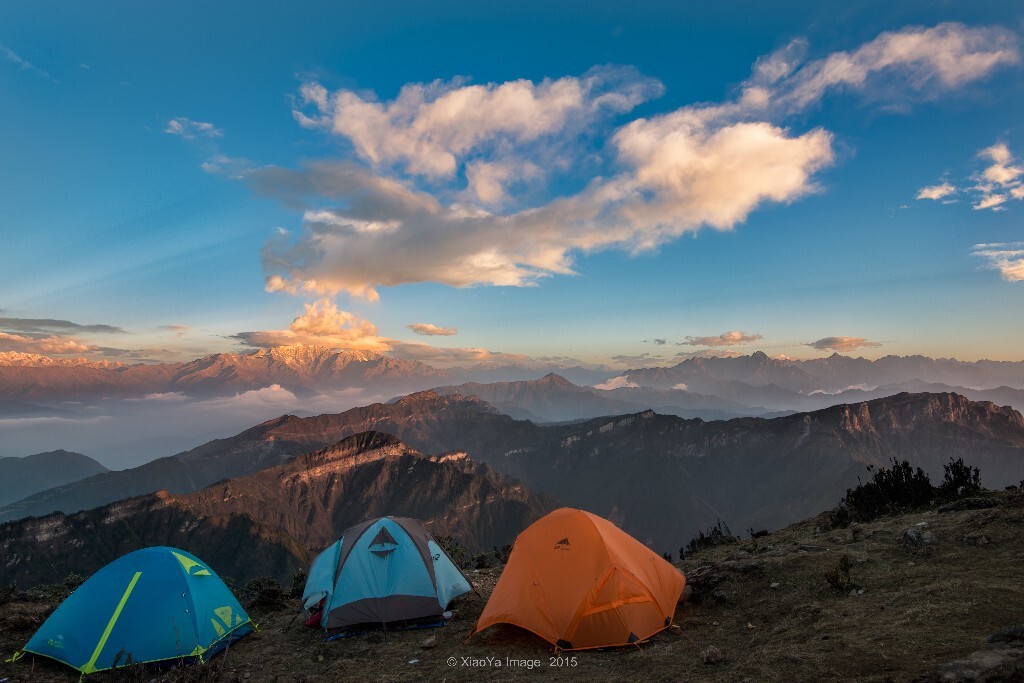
x: 323, y: 324
x: 47, y: 345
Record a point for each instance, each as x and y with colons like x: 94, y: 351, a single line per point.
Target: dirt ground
x: 925, y: 614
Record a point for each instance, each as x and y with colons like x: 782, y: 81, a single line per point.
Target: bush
x: 57, y: 592
x: 719, y: 534
x: 298, y: 583
x: 959, y: 480
x: 839, y: 576
x: 263, y: 592
x: 891, y: 491
x: 456, y: 551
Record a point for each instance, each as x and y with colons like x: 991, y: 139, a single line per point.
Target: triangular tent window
x: 383, y: 542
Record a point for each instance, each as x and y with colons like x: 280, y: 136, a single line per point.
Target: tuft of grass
x: 456, y: 551
x: 839, y: 576
x: 716, y: 535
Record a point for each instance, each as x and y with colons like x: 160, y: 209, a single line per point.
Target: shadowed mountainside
x: 431, y: 424
x: 660, y: 477
x: 273, y: 522
x: 20, y: 477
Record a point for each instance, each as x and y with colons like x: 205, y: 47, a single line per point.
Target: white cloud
x: 842, y: 344
x: 620, y: 382
x: 936, y: 191
x: 990, y: 201
x: 681, y: 387
x: 443, y: 356
x: 1007, y: 258
x: 734, y: 337
x: 23, y: 64
x: 191, y: 130
x: 165, y: 397
x: 1001, y: 181
x: 222, y: 164
x: 431, y: 128
x: 273, y: 395
x: 431, y: 330
x: 912, y: 62
x: 465, y: 184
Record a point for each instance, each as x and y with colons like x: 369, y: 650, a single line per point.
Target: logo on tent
x: 563, y: 544
x: 191, y: 566
x: 383, y: 542
x: 230, y: 620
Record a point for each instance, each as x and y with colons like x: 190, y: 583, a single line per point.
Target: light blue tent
x: 152, y: 605
x: 383, y: 571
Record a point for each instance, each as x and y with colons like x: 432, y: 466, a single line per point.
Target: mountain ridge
x: 273, y: 522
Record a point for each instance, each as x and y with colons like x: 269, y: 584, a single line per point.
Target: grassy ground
x: 766, y: 605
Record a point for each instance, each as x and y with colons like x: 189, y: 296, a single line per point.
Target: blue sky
x: 523, y: 182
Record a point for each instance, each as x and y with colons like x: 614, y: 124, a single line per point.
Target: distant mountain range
x: 24, y: 476
x: 31, y: 377
x: 273, y: 522
x: 661, y: 477
x: 709, y: 388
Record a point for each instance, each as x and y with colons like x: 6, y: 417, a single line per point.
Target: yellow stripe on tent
x: 90, y: 666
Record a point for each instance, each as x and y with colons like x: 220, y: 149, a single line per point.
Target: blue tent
x: 383, y: 571
x: 152, y: 605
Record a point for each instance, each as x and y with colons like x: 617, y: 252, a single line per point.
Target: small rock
x: 915, y: 537
x: 750, y: 626
x: 860, y: 591
x: 429, y: 643
x: 711, y: 655
x: 922, y: 524
x: 910, y: 564
x: 775, y: 584
x: 968, y: 504
x: 686, y: 594
x: 1008, y: 635
x: 413, y: 661
x: 853, y: 592
x: 319, y: 658
x: 813, y: 548
x: 976, y: 539
x: 714, y: 623
x: 746, y: 567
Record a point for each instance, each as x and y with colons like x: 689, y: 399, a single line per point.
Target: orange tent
x: 578, y: 581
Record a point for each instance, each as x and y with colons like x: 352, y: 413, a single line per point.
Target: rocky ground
x: 944, y: 602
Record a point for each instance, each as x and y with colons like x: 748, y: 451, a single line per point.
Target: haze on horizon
x: 580, y: 185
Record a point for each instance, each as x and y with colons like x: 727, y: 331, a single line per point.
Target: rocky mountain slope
x: 20, y: 477
x: 425, y: 421
x: 274, y: 521
x: 660, y: 477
